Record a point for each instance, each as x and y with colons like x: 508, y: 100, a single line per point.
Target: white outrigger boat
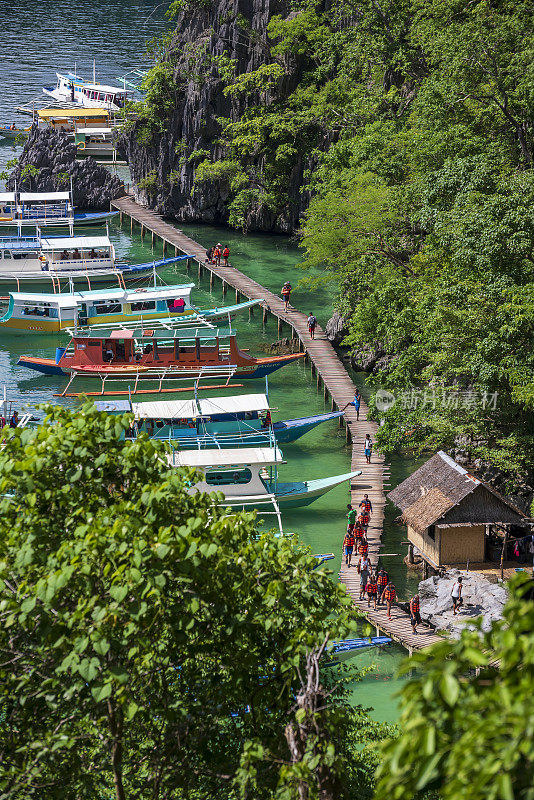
x: 77, y: 259
x: 71, y: 88
x: 159, y: 306
x: 248, y: 478
x: 45, y: 210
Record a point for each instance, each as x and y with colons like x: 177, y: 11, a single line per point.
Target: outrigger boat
x: 151, y: 356
x: 10, y: 132
x: 77, y: 259
x: 71, y: 88
x: 162, y: 306
x: 45, y: 209
x: 223, y: 422
x: 248, y: 478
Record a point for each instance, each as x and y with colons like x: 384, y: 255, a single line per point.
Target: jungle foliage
x: 413, y: 123
x: 152, y: 646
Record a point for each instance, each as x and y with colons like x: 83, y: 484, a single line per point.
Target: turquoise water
x: 114, y: 33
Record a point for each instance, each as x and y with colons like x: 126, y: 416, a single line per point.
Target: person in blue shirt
x: 356, y: 403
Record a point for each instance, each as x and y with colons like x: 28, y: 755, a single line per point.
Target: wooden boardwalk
x: 336, y: 382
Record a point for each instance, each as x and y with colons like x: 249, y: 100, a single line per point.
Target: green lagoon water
x: 114, y: 33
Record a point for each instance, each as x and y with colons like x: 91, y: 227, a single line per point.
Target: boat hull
x: 84, y: 218
x: 292, y: 429
x: 300, y: 495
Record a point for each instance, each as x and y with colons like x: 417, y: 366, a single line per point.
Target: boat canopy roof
x: 183, y: 334
x: 75, y: 241
x: 166, y: 409
x: 233, y: 405
x: 104, y: 87
x: 7, y: 197
x: 227, y: 458
x: 122, y: 406
x: 94, y: 130
x: 20, y: 243
x: 71, y: 113
x: 130, y: 295
x: 26, y: 197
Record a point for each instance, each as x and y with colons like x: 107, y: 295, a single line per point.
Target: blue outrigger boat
x: 346, y: 648
x: 45, y: 210
x: 217, y: 422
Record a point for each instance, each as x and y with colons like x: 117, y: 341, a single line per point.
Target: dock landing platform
x: 330, y: 373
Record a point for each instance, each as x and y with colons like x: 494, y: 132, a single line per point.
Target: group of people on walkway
x: 376, y: 586
x: 286, y: 297
x: 214, y: 255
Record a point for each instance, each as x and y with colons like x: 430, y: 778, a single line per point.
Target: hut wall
x: 425, y: 544
x: 458, y: 545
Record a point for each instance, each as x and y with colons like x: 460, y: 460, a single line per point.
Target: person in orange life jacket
x: 286, y: 294
x: 364, y: 568
x: 415, y: 616
x: 217, y: 254
x: 371, y: 589
x: 382, y: 580
x: 226, y: 255
x: 366, y: 505
x: 363, y: 546
x: 312, y: 322
x: 348, y: 547
x: 365, y: 519
x: 358, y: 532
x: 389, y: 595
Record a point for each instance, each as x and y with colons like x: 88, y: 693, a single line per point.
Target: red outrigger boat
x: 156, y: 356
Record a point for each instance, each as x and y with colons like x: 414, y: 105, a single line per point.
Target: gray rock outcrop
x: 165, y: 163
x: 51, y: 158
x: 482, y: 598
x: 336, y: 328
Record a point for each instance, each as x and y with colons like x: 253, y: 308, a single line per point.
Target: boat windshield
x: 226, y: 477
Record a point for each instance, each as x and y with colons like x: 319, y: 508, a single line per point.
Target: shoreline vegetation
x: 396, y: 142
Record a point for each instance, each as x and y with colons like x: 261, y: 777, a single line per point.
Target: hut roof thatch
x: 440, y: 485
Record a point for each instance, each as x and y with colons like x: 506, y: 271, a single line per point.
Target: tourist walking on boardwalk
x: 312, y: 322
x: 355, y: 402
x: 348, y: 547
x: 286, y: 294
x: 217, y: 254
x: 366, y: 505
x: 456, y: 594
x: 382, y: 581
x: 209, y: 255
x: 415, y: 616
x: 226, y: 254
x: 371, y: 589
x: 368, y: 447
x: 390, y: 594
x: 364, y: 567
x: 363, y: 546
x: 351, y: 518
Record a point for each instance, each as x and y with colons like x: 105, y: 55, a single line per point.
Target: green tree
x: 468, y: 715
x: 152, y: 646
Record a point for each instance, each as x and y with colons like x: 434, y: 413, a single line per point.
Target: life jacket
x: 226, y: 252
x: 366, y: 505
x: 390, y: 594
x: 363, y: 548
x: 371, y: 588
x: 414, y: 605
x: 366, y: 519
x: 383, y: 580
x: 359, y: 532
x: 349, y: 540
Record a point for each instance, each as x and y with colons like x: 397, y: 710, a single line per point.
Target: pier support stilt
x: 251, y: 312
x: 211, y: 280
x: 188, y: 265
x: 199, y: 270
x: 279, y: 327
x: 143, y: 231
x: 264, y: 317
x: 131, y: 225
x: 348, y: 435
x: 237, y: 296
x: 152, y: 238
x: 121, y: 218
x: 164, y: 247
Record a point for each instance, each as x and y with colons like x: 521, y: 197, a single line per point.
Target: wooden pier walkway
x: 337, y: 385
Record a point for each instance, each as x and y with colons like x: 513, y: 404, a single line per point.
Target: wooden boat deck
x: 339, y: 386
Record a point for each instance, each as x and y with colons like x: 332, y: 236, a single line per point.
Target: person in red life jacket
x: 382, y: 581
x: 312, y: 322
x: 365, y: 519
x: 217, y: 254
x: 348, y: 547
x: 415, y: 616
x: 389, y: 595
x: 363, y: 546
x: 267, y: 420
x: 226, y: 254
x: 286, y: 294
x: 364, y: 568
x: 372, y: 590
x: 366, y: 505
x: 358, y: 533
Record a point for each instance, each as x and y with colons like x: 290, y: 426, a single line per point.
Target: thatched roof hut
x: 447, y: 511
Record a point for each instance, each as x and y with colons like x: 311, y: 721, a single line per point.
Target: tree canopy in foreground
x: 150, y: 645
x: 467, y: 728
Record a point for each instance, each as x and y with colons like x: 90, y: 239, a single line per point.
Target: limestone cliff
x: 237, y: 29
x: 48, y: 163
